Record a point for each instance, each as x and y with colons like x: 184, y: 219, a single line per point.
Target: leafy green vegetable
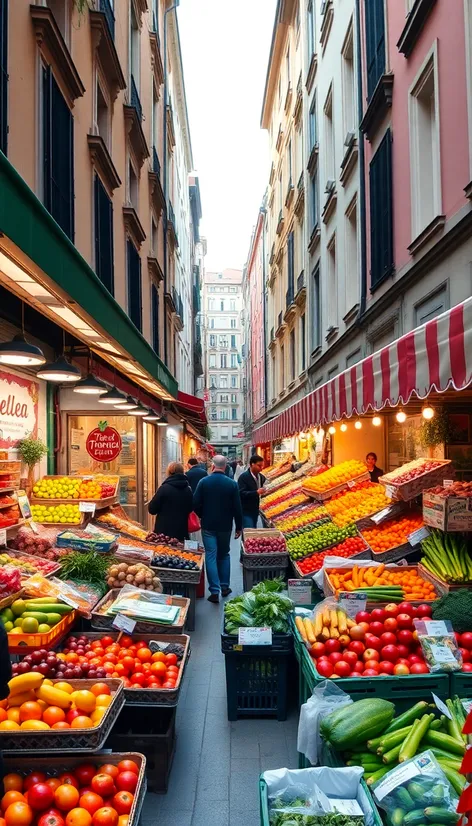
x: 288, y: 818
x: 456, y: 607
x: 263, y: 605
x: 88, y: 567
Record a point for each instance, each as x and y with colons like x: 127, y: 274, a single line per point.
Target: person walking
x: 195, y: 473
x: 239, y: 470
x: 250, y: 485
x: 217, y: 503
x: 172, y: 503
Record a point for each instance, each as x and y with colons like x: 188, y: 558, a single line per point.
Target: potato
x: 122, y: 575
x: 129, y: 578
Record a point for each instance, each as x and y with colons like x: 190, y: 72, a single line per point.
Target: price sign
x: 299, y: 590
x: 93, y: 529
x: 352, y: 603
x: 33, y: 526
x: 402, y: 562
x: 448, y: 483
x: 390, y: 492
x: 255, y: 636
x: 68, y: 601
x: 351, y: 483
x: 23, y: 504
x: 378, y: 517
x: 190, y: 545
x: 3, y: 536
x: 436, y: 628
x: 124, y: 623
x: 441, y: 706
x: 87, y: 507
x: 417, y: 536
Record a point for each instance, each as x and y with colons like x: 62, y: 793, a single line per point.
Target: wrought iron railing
x: 156, y: 166
x: 301, y: 281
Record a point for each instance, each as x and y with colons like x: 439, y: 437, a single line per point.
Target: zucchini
x: 397, y: 816
x: 444, y: 741
x: 377, y: 775
x: 407, y: 718
x: 439, y: 815
x: 443, y: 754
x: 394, y: 739
x: 414, y: 818
x: 392, y: 755
x: 37, y: 615
x: 356, y: 723
x: 456, y: 780
x: 416, y: 790
x: 48, y: 608
x: 403, y: 798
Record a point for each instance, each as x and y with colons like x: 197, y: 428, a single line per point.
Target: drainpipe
x: 164, y: 167
x: 264, y: 307
x: 362, y: 192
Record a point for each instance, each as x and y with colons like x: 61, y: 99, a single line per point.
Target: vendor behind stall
x: 375, y: 472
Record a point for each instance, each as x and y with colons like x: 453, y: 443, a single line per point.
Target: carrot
x: 361, y: 576
x: 354, y: 577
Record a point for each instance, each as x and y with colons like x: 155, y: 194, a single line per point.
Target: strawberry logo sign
x: 103, y: 443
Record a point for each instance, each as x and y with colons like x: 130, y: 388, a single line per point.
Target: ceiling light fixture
x: 59, y: 370
x: 129, y: 404
x: 20, y: 353
x: 151, y: 416
x: 332, y: 430
x: 90, y: 386
x: 113, y: 396
x: 139, y: 410
x: 162, y: 421
x: 343, y: 427
x: 427, y: 413
x: 358, y: 425
x: 376, y: 421
x: 401, y: 416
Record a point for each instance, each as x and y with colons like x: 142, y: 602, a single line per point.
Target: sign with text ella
x: 103, y: 443
x: 18, y: 409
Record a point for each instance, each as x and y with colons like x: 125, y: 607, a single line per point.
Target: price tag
x: 68, y: 601
x: 417, y: 536
x: 87, y: 478
x: 448, y: 483
x: 377, y: 517
x: 390, y: 492
x: 87, y: 507
x: 351, y: 483
x: 436, y: 628
x: 299, y: 590
x: 190, y: 545
x: 3, y: 536
x: 441, y: 706
x: 124, y: 623
x: 33, y: 526
x: 24, y: 505
x: 255, y: 636
x: 351, y: 603
x: 467, y: 705
x: 402, y: 562
x: 94, y: 530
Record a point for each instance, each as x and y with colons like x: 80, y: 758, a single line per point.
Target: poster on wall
x: 18, y: 409
x: 103, y: 443
x: 78, y: 455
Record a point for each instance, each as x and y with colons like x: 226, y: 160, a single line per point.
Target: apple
x: 467, y: 667
x: 344, y: 640
x: 358, y: 667
x: 465, y: 640
x: 404, y: 621
x: 335, y: 657
x: 376, y: 628
x: 391, y: 610
x: 401, y: 670
x: 403, y: 661
x: 405, y: 608
x: 390, y: 653
x: 465, y: 655
x: 357, y: 646
x: 371, y: 654
x: 357, y: 632
x: 362, y: 616
x: 391, y: 624
x: 419, y: 668
x: 317, y: 649
x: 388, y: 638
x: 332, y: 646
x: 405, y: 637
x: 372, y: 641
x: 370, y: 672
x: 378, y: 615
x: 386, y: 667
x: 350, y: 657
x: 403, y: 650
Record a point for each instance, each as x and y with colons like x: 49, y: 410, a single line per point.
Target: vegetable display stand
x: 321, y: 496
x: 365, y: 554
x: 54, y: 766
x: 260, y: 566
x: 154, y: 736
x: 257, y: 677
x: 440, y: 587
x: 189, y: 591
x: 461, y: 684
x: 101, y: 620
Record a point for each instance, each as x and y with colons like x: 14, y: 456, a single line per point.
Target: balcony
x: 102, y: 161
x: 155, y: 186
x: 170, y: 124
x: 290, y: 306
x: 377, y: 109
x: 297, y: 111
x: 290, y: 193
x: 102, y: 22
x: 327, y: 15
x: 156, y: 57
x: 280, y: 326
x: 154, y: 269
x: 133, y: 119
x: 300, y: 295
x: 171, y: 226
x: 280, y: 223
x: 300, y: 201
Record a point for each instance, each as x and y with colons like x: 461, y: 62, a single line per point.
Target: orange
x: 159, y: 657
x: 144, y: 654
x: 159, y: 668
x: 19, y: 814
x: 61, y: 724
x: 82, y: 722
x: 13, y: 782
x: 3, y: 715
x: 91, y: 802
x: 14, y: 714
x: 79, y: 817
x: 66, y: 797
x: 11, y: 797
x: 64, y: 687
x: 9, y: 725
x: 54, y: 714
x: 34, y: 725
x: 104, y: 700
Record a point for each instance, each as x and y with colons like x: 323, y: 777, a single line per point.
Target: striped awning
x: 436, y: 356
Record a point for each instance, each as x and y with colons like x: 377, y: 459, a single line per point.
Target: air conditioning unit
x: 349, y: 139
x: 330, y: 186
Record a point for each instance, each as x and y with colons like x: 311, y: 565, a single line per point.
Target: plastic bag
x: 327, y: 621
x: 38, y: 586
x: 412, y: 787
x: 326, y: 697
x: 438, y: 644
x: 342, y: 562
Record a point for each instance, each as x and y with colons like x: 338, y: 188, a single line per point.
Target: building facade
x: 255, y: 339
x: 222, y: 303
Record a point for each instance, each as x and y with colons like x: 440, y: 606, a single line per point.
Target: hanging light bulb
x: 162, y: 421
x: 332, y: 430
x: 59, y: 370
x: 90, y: 386
x: 427, y: 413
x: 138, y: 411
x: 401, y: 416
x: 20, y: 353
x: 376, y: 421
x: 343, y: 427
x: 151, y: 416
x: 113, y: 396
x: 129, y: 404
x: 358, y: 425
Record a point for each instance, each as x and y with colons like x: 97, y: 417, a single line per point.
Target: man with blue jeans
x: 216, y: 501
x: 250, y: 485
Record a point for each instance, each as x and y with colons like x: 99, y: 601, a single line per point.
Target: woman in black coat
x: 172, y: 503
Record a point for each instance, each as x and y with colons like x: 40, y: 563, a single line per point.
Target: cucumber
x: 416, y: 790
x: 392, y: 755
x: 377, y: 775
x: 456, y: 780
x: 404, y: 799
x: 444, y: 741
x: 437, y: 794
x: 438, y: 815
x: 356, y: 723
x: 53, y: 619
x: 397, y: 816
x: 394, y: 739
x: 414, y: 818
x: 37, y: 615
x: 442, y: 754
x: 407, y: 718
x: 44, y: 600
x: 50, y: 607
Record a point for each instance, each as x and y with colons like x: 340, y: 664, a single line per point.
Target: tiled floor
x: 214, y: 778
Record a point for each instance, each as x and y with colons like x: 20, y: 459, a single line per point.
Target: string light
x: 428, y: 413
x: 401, y: 416
x: 376, y: 421
x: 343, y: 427
x: 358, y: 425
x: 332, y: 430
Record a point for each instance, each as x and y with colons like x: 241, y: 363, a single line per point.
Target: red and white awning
x: 436, y: 356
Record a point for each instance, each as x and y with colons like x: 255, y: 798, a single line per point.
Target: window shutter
x: 290, y: 264
x: 103, y: 235
x: 3, y: 75
x: 381, y: 210
x: 134, y: 285
x: 58, y: 135
x: 375, y: 42
x: 155, y: 317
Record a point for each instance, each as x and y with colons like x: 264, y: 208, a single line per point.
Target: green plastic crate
x: 461, y: 684
x: 264, y: 803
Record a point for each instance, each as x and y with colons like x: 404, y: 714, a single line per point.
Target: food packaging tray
x: 100, y: 620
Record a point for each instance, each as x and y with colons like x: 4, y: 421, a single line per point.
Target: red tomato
x: 372, y: 664
x: 401, y: 670
x: 84, y: 773
x: 324, y: 668
x: 388, y: 638
x: 370, y: 672
x: 32, y: 779
x: 335, y: 657
x: 332, y: 646
x: 317, y: 649
x: 362, y: 616
x: 357, y: 646
x: 350, y: 657
x: 403, y: 651
x: 90, y: 801
x: 465, y: 640
x: 405, y: 637
x: 122, y: 802
x: 342, y: 668
x: 371, y: 654
x: 419, y: 668
x: 171, y: 659
x: 372, y: 641
x: 390, y: 653
x: 68, y: 780
x: 378, y: 615
x: 40, y: 797
x: 51, y: 818
x: 138, y: 678
x: 103, y: 784
x: 386, y: 667
x: 106, y: 641
x: 106, y: 816
x: 358, y: 667
x: 140, y: 644
x: 390, y: 623
x: 376, y: 628
x: 169, y: 684
x: 128, y: 766
x: 72, y: 714
x: 126, y: 641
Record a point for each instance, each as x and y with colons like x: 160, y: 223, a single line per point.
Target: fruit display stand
x: 421, y: 473
x: 68, y: 740
x: 33, y: 560
x: 100, y: 503
x: 317, y: 559
x: 55, y: 766
x: 440, y: 588
x: 101, y: 620
x: 260, y: 566
x: 322, y: 496
x: 399, y: 549
x: 25, y: 643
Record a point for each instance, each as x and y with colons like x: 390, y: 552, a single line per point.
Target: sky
x: 225, y: 49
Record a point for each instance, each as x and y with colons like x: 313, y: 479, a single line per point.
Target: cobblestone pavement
x: 214, y: 777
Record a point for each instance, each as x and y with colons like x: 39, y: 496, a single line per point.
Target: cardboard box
x: 452, y: 513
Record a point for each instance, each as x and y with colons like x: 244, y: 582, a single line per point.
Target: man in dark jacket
x: 216, y: 502
x: 250, y: 485
x: 195, y: 473
x: 172, y: 503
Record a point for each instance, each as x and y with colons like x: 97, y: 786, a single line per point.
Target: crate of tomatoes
x: 354, y: 547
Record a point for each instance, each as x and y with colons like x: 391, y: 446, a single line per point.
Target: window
x: 315, y: 198
x: 212, y: 360
x: 223, y: 361
x: 103, y: 215
x: 212, y: 323
x: 211, y: 305
x: 223, y: 341
x: 352, y: 257
x: 3, y: 75
x: 224, y: 414
x: 329, y: 138
x: 134, y: 285
x: 353, y: 358
x: 312, y: 124
x: 155, y: 318
x: 58, y: 147
x: 222, y: 305
x: 236, y: 433
x: 224, y: 398
x: 234, y: 360
x: 287, y: 66
x: 381, y: 211
x: 155, y: 120
x: 60, y: 10
x: 233, y: 341
x: 290, y: 268
x: 424, y: 148
x: 213, y: 414
x: 233, y: 398
x: 316, y: 293
x: 224, y: 382
x: 233, y: 323
x: 348, y: 83
x: 232, y: 305
x: 289, y: 158
x: 155, y: 16
x: 332, y: 284
x: 220, y: 275
x: 212, y: 340
x: 223, y: 432
x: 311, y: 28
x: 303, y: 343
x: 234, y: 413
x: 212, y: 381
x: 103, y: 116
x: 234, y: 381
x: 431, y: 306
x: 292, y: 355
x: 274, y: 377
x: 375, y: 43
x: 132, y: 186
x: 134, y: 55
x: 282, y: 367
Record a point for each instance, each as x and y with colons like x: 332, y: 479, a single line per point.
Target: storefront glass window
x: 149, y: 466
x: 404, y: 442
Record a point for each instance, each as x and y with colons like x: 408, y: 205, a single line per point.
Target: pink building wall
x: 255, y: 274
x: 445, y: 24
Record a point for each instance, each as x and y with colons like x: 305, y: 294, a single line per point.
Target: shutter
x: 3, y: 75
x: 290, y: 264
x: 134, y: 285
x: 375, y: 42
x: 103, y: 235
x: 58, y: 129
x: 155, y: 317
x: 381, y: 210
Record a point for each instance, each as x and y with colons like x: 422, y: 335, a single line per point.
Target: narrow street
x: 214, y: 778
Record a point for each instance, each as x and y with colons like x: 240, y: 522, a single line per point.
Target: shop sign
x: 103, y: 443
x: 18, y: 409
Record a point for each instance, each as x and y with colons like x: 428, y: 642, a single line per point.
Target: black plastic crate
x: 281, y: 644
x: 252, y: 576
x: 188, y: 590
x: 150, y: 732
x: 257, y: 683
